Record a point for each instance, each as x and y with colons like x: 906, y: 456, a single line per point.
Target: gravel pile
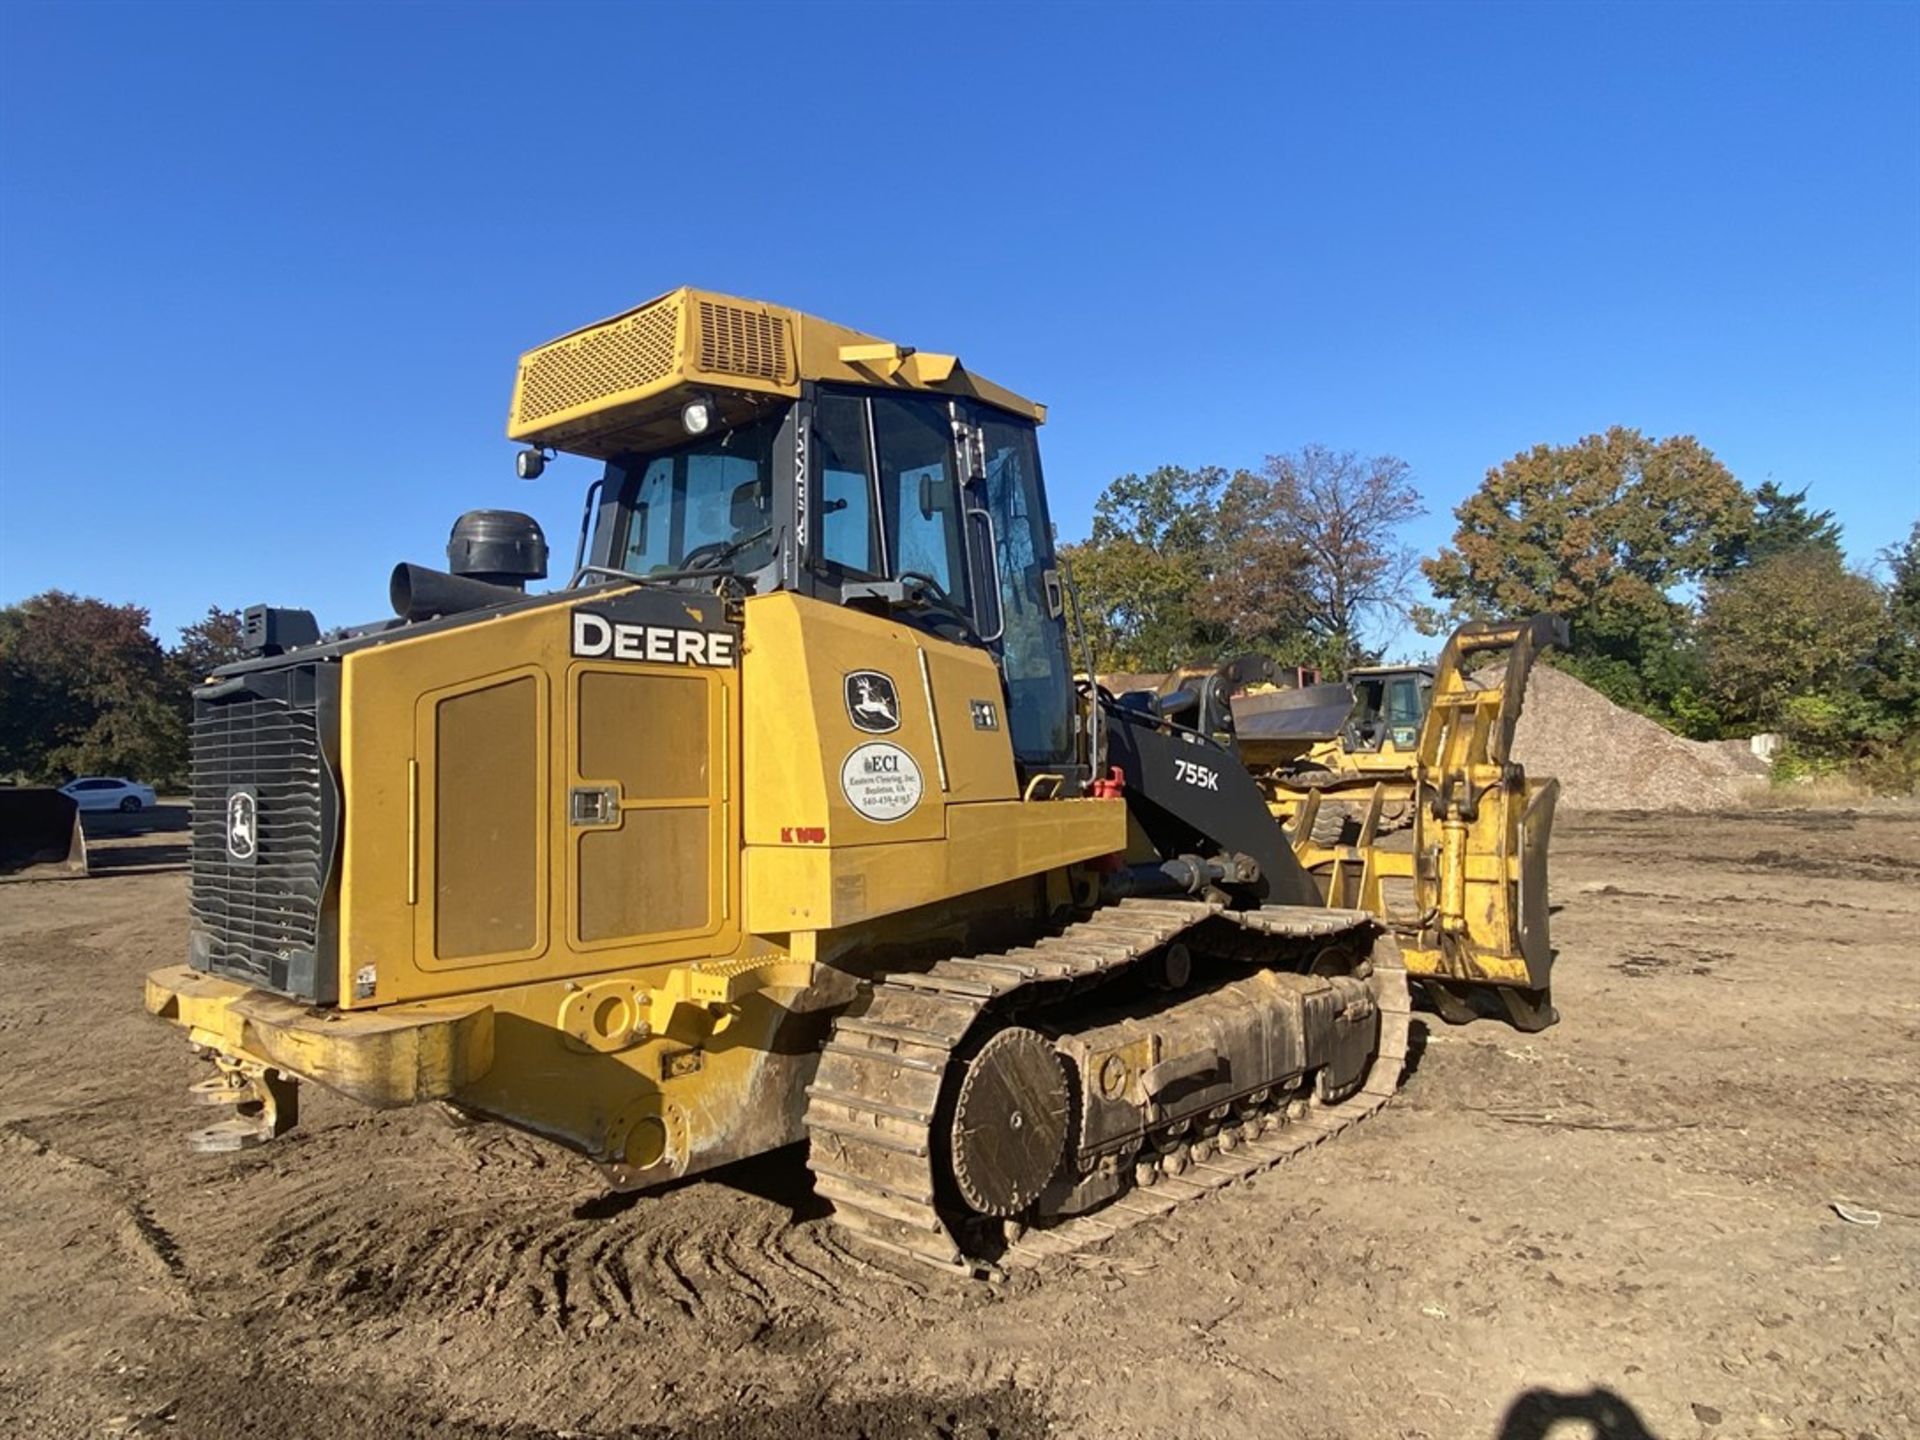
x: 1608, y: 758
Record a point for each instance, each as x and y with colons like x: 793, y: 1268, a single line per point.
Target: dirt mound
x: 1608, y: 758
x: 1738, y: 755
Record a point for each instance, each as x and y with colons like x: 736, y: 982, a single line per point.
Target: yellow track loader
x: 1335, y: 739
x: 784, y: 820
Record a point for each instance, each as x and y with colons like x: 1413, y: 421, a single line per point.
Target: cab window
x: 1403, y: 701
x: 849, y: 538
x: 919, y: 492
x: 701, y: 497
x: 1033, y: 641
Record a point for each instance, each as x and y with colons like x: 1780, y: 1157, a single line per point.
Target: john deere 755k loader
x: 784, y: 819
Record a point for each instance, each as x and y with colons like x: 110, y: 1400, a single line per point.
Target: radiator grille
x: 734, y: 341
x: 622, y: 355
x: 260, y: 921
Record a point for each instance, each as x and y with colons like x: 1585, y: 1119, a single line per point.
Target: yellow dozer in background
x: 1334, y: 739
x: 784, y: 820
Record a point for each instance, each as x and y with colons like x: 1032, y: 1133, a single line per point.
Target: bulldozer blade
x: 41, y: 837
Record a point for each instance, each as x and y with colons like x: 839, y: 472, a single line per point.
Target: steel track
x: 873, y: 1106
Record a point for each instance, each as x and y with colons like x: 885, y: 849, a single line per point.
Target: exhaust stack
x: 419, y: 592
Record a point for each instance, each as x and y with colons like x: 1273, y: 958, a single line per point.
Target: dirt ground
x: 1622, y: 1227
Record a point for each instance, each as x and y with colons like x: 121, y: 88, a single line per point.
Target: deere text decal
x: 597, y: 638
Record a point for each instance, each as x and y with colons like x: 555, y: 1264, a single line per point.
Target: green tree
x: 1141, y: 572
x: 84, y: 688
x: 1605, y: 532
x: 1780, y: 524
x: 1896, y: 665
x: 1797, y: 624
x: 1893, y: 766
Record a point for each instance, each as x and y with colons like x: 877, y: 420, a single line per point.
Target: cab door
x: 1026, y: 619
x: 957, y: 493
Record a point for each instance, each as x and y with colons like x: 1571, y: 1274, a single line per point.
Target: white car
x: 95, y: 792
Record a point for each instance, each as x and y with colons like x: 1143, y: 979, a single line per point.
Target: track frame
x: 874, y: 1108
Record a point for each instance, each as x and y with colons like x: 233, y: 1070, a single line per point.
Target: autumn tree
x: 1292, y: 561
x: 1604, y: 532
x: 1254, y: 593
x: 204, y: 646
x: 1321, y: 532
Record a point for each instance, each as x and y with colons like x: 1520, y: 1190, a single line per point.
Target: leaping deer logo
x: 872, y: 704
x: 241, y: 820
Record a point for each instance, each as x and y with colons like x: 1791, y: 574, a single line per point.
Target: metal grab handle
x: 586, y: 527
x: 999, y: 591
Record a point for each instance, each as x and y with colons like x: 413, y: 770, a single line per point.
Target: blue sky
x: 264, y: 270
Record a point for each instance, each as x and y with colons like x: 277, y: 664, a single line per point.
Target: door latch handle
x: 593, y: 805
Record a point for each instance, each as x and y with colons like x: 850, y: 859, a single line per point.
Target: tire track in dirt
x: 488, y: 1224
x: 148, y: 1243
x: 659, y: 1271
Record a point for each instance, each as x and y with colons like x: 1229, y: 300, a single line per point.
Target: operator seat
x: 747, y: 515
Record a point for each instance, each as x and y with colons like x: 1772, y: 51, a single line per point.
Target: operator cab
x: 924, y: 507
x: 752, y: 449
x: 1389, y: 707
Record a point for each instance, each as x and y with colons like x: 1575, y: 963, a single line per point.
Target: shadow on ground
x: 1599, y: 1413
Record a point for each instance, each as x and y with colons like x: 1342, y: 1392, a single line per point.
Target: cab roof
x: 618, y: 384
